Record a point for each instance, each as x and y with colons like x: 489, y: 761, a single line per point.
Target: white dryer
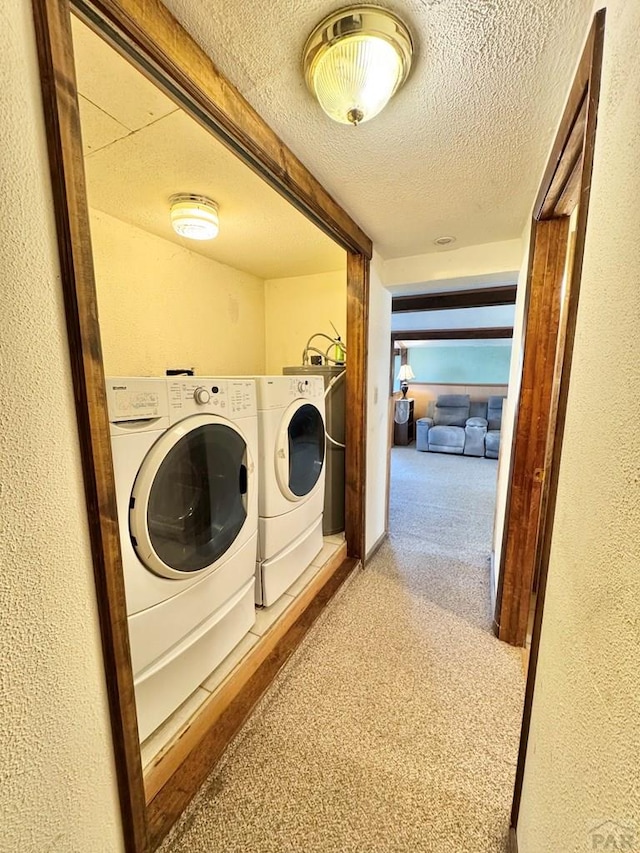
x: 184, y: 454
x: 292, y: 474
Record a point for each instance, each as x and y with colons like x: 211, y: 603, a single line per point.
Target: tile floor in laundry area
x: 169, y: 731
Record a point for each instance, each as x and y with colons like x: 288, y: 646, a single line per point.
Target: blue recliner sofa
x: 457, y: 425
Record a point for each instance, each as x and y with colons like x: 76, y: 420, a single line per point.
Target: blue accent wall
x: 483, y: 365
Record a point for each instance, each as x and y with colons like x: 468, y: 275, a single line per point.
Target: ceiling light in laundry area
x: 355, y: 60
x: 194, y: 216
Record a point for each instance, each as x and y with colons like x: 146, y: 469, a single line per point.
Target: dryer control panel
x: 229, y: 398
x: 306, y: 386
x: 277, y: 392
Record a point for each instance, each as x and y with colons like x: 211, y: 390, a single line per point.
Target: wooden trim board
x: 452, y: 334
x: 223, y: 715
x: 535, y: 407
x: 358, y: 276
x: 62, y: 123
x: 480, y: 297
x: 590, y: 70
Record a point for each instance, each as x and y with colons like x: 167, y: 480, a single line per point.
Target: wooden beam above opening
x: 481, y: 297
x: 453, y: 334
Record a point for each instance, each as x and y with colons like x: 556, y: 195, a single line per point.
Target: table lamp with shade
x: 404, y: 374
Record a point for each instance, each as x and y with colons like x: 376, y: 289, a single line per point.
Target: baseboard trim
x: 376, y: 546
x: 201, y: 747
x: 494, y: 585
x: 494, y: 594
x: 513, y: 840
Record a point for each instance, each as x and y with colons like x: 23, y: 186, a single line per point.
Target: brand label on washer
x: 131, y: 405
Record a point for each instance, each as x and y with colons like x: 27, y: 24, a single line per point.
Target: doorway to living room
x: 451, y: 354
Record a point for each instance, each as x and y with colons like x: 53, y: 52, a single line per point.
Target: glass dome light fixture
x: 355, y: 60
x: 194, y: 216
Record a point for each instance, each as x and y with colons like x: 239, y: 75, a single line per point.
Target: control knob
x: 201, y: 396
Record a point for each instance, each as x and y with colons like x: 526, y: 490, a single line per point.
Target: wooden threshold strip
x: 175, y: 778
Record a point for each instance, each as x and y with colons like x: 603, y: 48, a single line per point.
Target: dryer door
x: 300, y: 450
x: 189, y: 500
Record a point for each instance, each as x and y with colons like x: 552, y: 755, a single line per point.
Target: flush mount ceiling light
x: 444, y: 241
x: 355, y: 60
x: 194, y: 216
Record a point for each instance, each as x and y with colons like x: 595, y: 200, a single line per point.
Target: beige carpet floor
x: 395, y: 725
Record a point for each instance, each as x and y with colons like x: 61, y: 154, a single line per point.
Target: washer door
x: 189, y: 500
x: 300, y: 450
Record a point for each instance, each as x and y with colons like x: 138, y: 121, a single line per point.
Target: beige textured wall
x: 377, y: 405
x: 57, y: 781
x: 431, y: 270
x: 582, y: 762
x: 296, y: 308
x: 162, y: 306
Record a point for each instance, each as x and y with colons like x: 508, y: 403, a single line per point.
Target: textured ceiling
x: 140, y: 149
x: 459, y: 150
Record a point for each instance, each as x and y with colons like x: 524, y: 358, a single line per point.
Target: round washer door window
x: 300, y: 451
x: 189, y: 500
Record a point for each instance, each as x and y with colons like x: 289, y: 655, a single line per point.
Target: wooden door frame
x: 567, y: 181
x: 547, y: 344
x: 148, y: 35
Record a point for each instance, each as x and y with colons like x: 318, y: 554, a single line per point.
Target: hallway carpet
x: 395, y: 725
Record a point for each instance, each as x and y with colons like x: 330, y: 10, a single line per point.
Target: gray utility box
x: 333, y: 518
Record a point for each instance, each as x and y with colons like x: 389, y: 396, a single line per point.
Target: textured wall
x: 57, y: 784
x: 582, y: 763
x: 296, y: 308
x: 377, y: 406
x: 429, y: 271
x: 477, y: 364
x: 163, y: 306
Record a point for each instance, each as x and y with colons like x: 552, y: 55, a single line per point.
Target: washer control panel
x: 229, y: 398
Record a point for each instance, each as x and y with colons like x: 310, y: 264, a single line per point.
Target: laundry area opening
x: 222, y: 313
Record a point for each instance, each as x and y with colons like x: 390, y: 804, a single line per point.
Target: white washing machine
x: 292, y: 473
x: 184, y: 454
